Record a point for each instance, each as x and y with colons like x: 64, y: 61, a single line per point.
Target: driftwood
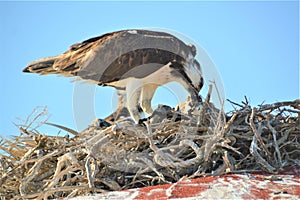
x: 187, y: 141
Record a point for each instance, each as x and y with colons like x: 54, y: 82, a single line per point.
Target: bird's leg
x: 146, y: 97
x: 121, y: 110
x: 133, y: 92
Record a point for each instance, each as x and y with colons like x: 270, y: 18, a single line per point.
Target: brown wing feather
x: 108, y: 57
x: 112, y: 57
x: 69, y: 62
x: 72, y: 60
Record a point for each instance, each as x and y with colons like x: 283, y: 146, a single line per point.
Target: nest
x: 188, y: 141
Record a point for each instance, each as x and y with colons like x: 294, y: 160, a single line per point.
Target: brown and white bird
x: 135, y: 62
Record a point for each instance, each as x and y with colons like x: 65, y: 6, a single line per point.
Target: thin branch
x: 256, y: 134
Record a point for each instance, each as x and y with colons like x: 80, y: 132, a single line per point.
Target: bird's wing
x: 69, y: 62
x: 132, y: 53
x: 115, y: 56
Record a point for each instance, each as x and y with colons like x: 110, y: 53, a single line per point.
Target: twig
x: 257, y: 156
x: 32, y: 173
x: 228, y: 125
x: 295, y: 104
x: 256, y: 134
x: 63, y: 128
x: 167, y: 160
x: 274, y: 133
x: 45, y: 194
x: 236, y: 104
x: 205, y: 105
x: 60, y: 164
x: 89, y: 172
x: 50, y: 155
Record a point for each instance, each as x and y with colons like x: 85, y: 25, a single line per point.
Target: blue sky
x: 254, y: 45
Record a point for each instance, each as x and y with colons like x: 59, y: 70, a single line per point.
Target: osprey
x: 135, y: 62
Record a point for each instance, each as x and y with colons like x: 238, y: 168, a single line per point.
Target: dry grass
x: 197, y: 142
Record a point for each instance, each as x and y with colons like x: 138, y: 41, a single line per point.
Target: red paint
x: 260, y: 186
x: 284, y: 185
x: 180, y: 189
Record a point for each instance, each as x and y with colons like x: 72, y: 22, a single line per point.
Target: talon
x: 141, y: 121
x: 146, y: 106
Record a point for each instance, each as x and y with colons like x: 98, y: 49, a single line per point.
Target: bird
x: 134, y: 61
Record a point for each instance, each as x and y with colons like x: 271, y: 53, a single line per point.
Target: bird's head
x: 193, y: 70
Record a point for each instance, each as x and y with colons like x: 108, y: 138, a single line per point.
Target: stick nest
x: 187, y: 141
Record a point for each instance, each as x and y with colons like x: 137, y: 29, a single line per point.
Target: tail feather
x: 41, y: 66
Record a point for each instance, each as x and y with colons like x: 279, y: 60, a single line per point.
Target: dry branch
x: 189, y: 141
